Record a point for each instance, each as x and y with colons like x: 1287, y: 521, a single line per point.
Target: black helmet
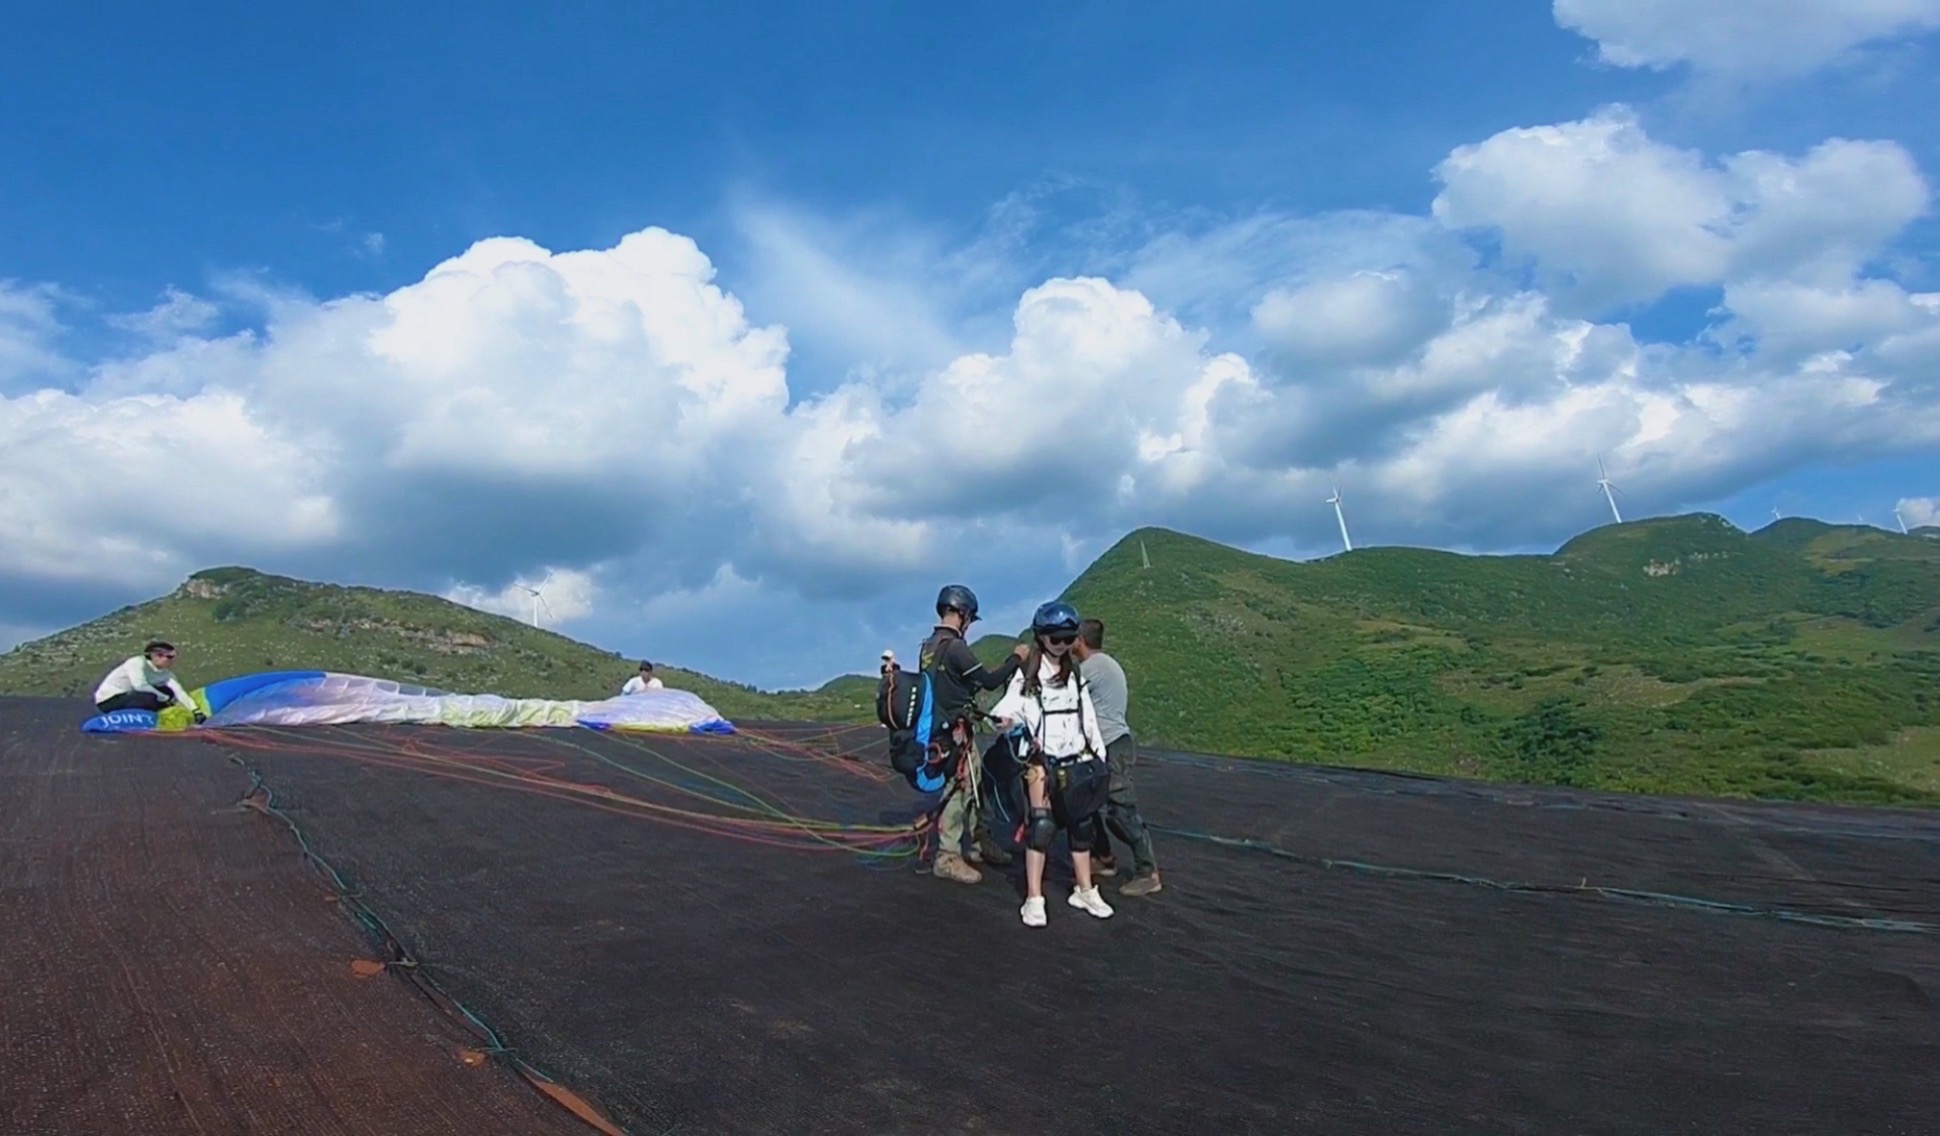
x: 956, y: 597
x: 1055, y: 616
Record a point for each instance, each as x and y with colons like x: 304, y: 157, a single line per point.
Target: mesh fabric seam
x: 261, y: 798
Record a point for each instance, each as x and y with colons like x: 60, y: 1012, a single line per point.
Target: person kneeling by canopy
x: 145, y: 682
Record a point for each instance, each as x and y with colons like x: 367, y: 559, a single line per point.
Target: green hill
x: 1674, y: 656
x: 1679, y: 655
x: 230, y: 621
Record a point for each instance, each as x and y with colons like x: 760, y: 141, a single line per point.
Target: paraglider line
x: 1695, y: 903
x: 534, y: 776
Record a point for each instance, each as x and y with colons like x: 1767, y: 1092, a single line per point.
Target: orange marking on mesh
x: 366, y: 968
x: 578, y: 1106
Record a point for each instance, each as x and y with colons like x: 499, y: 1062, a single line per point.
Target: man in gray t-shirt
x: 1110, y: 695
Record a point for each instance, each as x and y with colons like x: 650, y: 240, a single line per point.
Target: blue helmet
x: 1054, y: 617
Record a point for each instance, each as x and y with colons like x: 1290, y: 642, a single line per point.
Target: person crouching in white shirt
x: 145, y: 682
x: 643, y: 681
x: 1066, y: 775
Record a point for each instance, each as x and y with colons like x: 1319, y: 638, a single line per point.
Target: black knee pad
x: 1042, y: 830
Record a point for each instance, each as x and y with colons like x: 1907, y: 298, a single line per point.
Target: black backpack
x: 906, y: 707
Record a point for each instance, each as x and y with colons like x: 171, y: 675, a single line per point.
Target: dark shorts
x: 135, y: 700
x: 1077, y: 789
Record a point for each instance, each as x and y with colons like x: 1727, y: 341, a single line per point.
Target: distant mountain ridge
x: 1674, y: 655
x: 234, y: 620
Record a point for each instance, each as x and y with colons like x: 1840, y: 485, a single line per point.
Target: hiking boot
x: 1033, y: 911
x: 988, y: 851
x: 1145, y: 883
x: 1088, y: 900
x: 950, y: 866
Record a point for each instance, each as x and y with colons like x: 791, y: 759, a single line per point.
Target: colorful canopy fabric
x: 325, y: 698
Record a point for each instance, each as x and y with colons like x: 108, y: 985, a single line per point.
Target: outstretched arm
x: 1010, y: 707
x: 964, y: 662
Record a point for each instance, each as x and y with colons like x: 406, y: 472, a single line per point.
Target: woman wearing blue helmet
x: 1066, y: 775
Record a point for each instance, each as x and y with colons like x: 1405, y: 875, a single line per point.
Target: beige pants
x: 954, y: 823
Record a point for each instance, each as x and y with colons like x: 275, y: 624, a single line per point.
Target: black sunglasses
x: 1062, y: 640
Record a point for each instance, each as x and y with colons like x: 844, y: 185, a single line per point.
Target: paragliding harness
x: 1075, y: 785
x: 924, y: 749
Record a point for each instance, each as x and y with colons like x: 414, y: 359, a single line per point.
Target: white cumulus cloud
x: 1093, y: 375
x: 512, y: 402
x: 123, y: 489
x: 1751, y: 38
x: 1610, y: 216
x: 1919, y: 512
x: 548, y: 598
x: 1365, y: 317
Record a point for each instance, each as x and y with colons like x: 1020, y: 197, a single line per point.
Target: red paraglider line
x: 534, y: 775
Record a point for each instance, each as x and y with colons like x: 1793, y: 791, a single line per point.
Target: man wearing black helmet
x: 957, y: 676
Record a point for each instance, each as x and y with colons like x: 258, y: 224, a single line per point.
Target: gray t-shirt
x: 1109, y: 694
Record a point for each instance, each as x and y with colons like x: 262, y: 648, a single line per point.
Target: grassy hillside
x: 1678, y: 655
x: 230, y: 621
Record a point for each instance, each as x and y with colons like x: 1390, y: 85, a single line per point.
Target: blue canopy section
x: 120, y: 722
x: 221, y: 694
x: 717, y: 726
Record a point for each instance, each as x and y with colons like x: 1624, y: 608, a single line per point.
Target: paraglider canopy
x: 326, y: 698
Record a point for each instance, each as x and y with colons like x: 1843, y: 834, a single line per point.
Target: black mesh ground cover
x: 167, y: 965
x: 696, y: 983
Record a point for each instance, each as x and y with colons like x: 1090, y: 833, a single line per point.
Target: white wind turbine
x: 538, y: 600
x: 1342, y: 518
x: 1609, y: 490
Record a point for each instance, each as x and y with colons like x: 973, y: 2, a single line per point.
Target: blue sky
x: 713, y: 364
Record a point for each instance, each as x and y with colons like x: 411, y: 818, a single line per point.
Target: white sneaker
x: 1034, y: 912
x: 1088, y: 900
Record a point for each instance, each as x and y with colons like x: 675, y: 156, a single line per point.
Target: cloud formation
x: 1919, y: 512
x: 29, y: 327
x: 547, y: 599
x: 1609, y: 216
x: 618, y: 418
x: 1747, y: 38
x: 177, y: 315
